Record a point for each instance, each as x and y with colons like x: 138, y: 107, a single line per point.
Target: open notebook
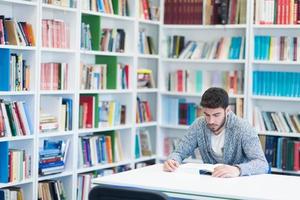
x: 197, y: 168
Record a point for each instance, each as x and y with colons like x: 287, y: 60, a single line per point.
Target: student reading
x: 221, y: 137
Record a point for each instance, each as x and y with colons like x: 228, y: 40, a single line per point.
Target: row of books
x: 14, y: 119
x: 143, y: 145
x: 196, y: 81
x: 277, y: 12
x: 51, y: 190
x: 58, y: 116
x: 271, y: 83
x: 15, y: 72
x: 148, y: 10
x: 180, y: 111
x: 52, y: 156
x: 183, y: 112
x: 183, y: 12
x: 111, y: 113
x: 85, y: 37
x: 146, y: 44
x: 94, y: 113
x: 100, y: 148
x: 282, y: 153
x: 113, y: 40
x: 99, y: 76
x: 223, y: 48
x: 276, y: 121
x: 15, y: 164
x: 143, y: 111
x: 84, y: 183
x: 55, y: 34
x: 62, y: 3
x: 117, y: 7
x: 12, y: 193
x: 54, y: 76
x: 16, y: 33
x: 277, y: 48
x: 145, y: 78
x: 225, y: 12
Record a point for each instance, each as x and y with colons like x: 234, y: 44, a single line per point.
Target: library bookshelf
x: 147, y: 107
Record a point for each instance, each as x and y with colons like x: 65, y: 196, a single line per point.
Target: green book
x: 115, y: 4
x: 12, y: 124
x: 94, y: 23
x: 112, y: 71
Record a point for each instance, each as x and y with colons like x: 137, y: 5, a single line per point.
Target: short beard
x: 221, y: 126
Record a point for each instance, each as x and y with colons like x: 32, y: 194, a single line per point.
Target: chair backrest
x: 108, y: 192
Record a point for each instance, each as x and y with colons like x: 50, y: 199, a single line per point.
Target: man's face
x: 215, y: 118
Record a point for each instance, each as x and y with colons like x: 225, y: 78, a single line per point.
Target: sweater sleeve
x: 186, y: 144
x: 257, y: 163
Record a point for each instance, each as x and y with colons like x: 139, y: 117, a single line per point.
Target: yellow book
x: 111, y: 114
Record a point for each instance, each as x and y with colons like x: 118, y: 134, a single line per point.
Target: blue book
x: 279, y: 153
x: 69, y: 119
x: 5, y: 69
x: 51, y: 164
x: 4, y: 162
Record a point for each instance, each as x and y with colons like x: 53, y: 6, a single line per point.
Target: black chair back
x: 107, y: 192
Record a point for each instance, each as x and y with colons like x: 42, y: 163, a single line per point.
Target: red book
x: 183, y: 113
x: 180, y: 81
x: 89, y: 101
x: 296, y: 155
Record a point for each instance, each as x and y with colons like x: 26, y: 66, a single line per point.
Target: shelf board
x: 274, y: 98
x: 189, y: 94
x: 204, y: 27
x: 46, y: 92
x: 276, y: 26
x: 59, y: 8
x: 21, y: 2
x: 146, y: 124
x: 274, y: 133
x: 16, y: 93
x: 267, y: 62
x: 16, y: 138
x: 102, y: 166
x: 151, y: 22
x: 179, y: 127
x: 147, y: 90
x: 144, y: 158
x: 28, y: 48
x: 112, y: 16
x: 120, y: 127
x: 148, y: 56
x: 54, y: 176
x: 215, y: 61
x: 55, y: 134
x: 58, y: 50
x: 11, y: 184
x: 285, y: 171
x: 107, y: 91
x: 106, y: 53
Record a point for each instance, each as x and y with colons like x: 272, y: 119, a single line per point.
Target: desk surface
x: 189, y: 182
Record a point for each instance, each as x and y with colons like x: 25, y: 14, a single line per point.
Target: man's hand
x: 226, y: 171
x: 170, y: 165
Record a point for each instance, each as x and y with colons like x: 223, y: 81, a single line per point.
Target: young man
x: 221, y: 137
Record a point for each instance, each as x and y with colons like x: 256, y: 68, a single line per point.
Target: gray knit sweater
x: 241, y: 146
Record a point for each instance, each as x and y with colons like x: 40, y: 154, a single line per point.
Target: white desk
x: 191, y: 185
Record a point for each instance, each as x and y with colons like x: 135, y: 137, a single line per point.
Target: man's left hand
x: 226, y: 171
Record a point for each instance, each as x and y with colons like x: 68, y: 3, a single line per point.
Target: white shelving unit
x: 203, y: 33
x: 271, y: 103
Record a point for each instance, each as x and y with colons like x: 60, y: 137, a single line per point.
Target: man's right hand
x: 170, y: 165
